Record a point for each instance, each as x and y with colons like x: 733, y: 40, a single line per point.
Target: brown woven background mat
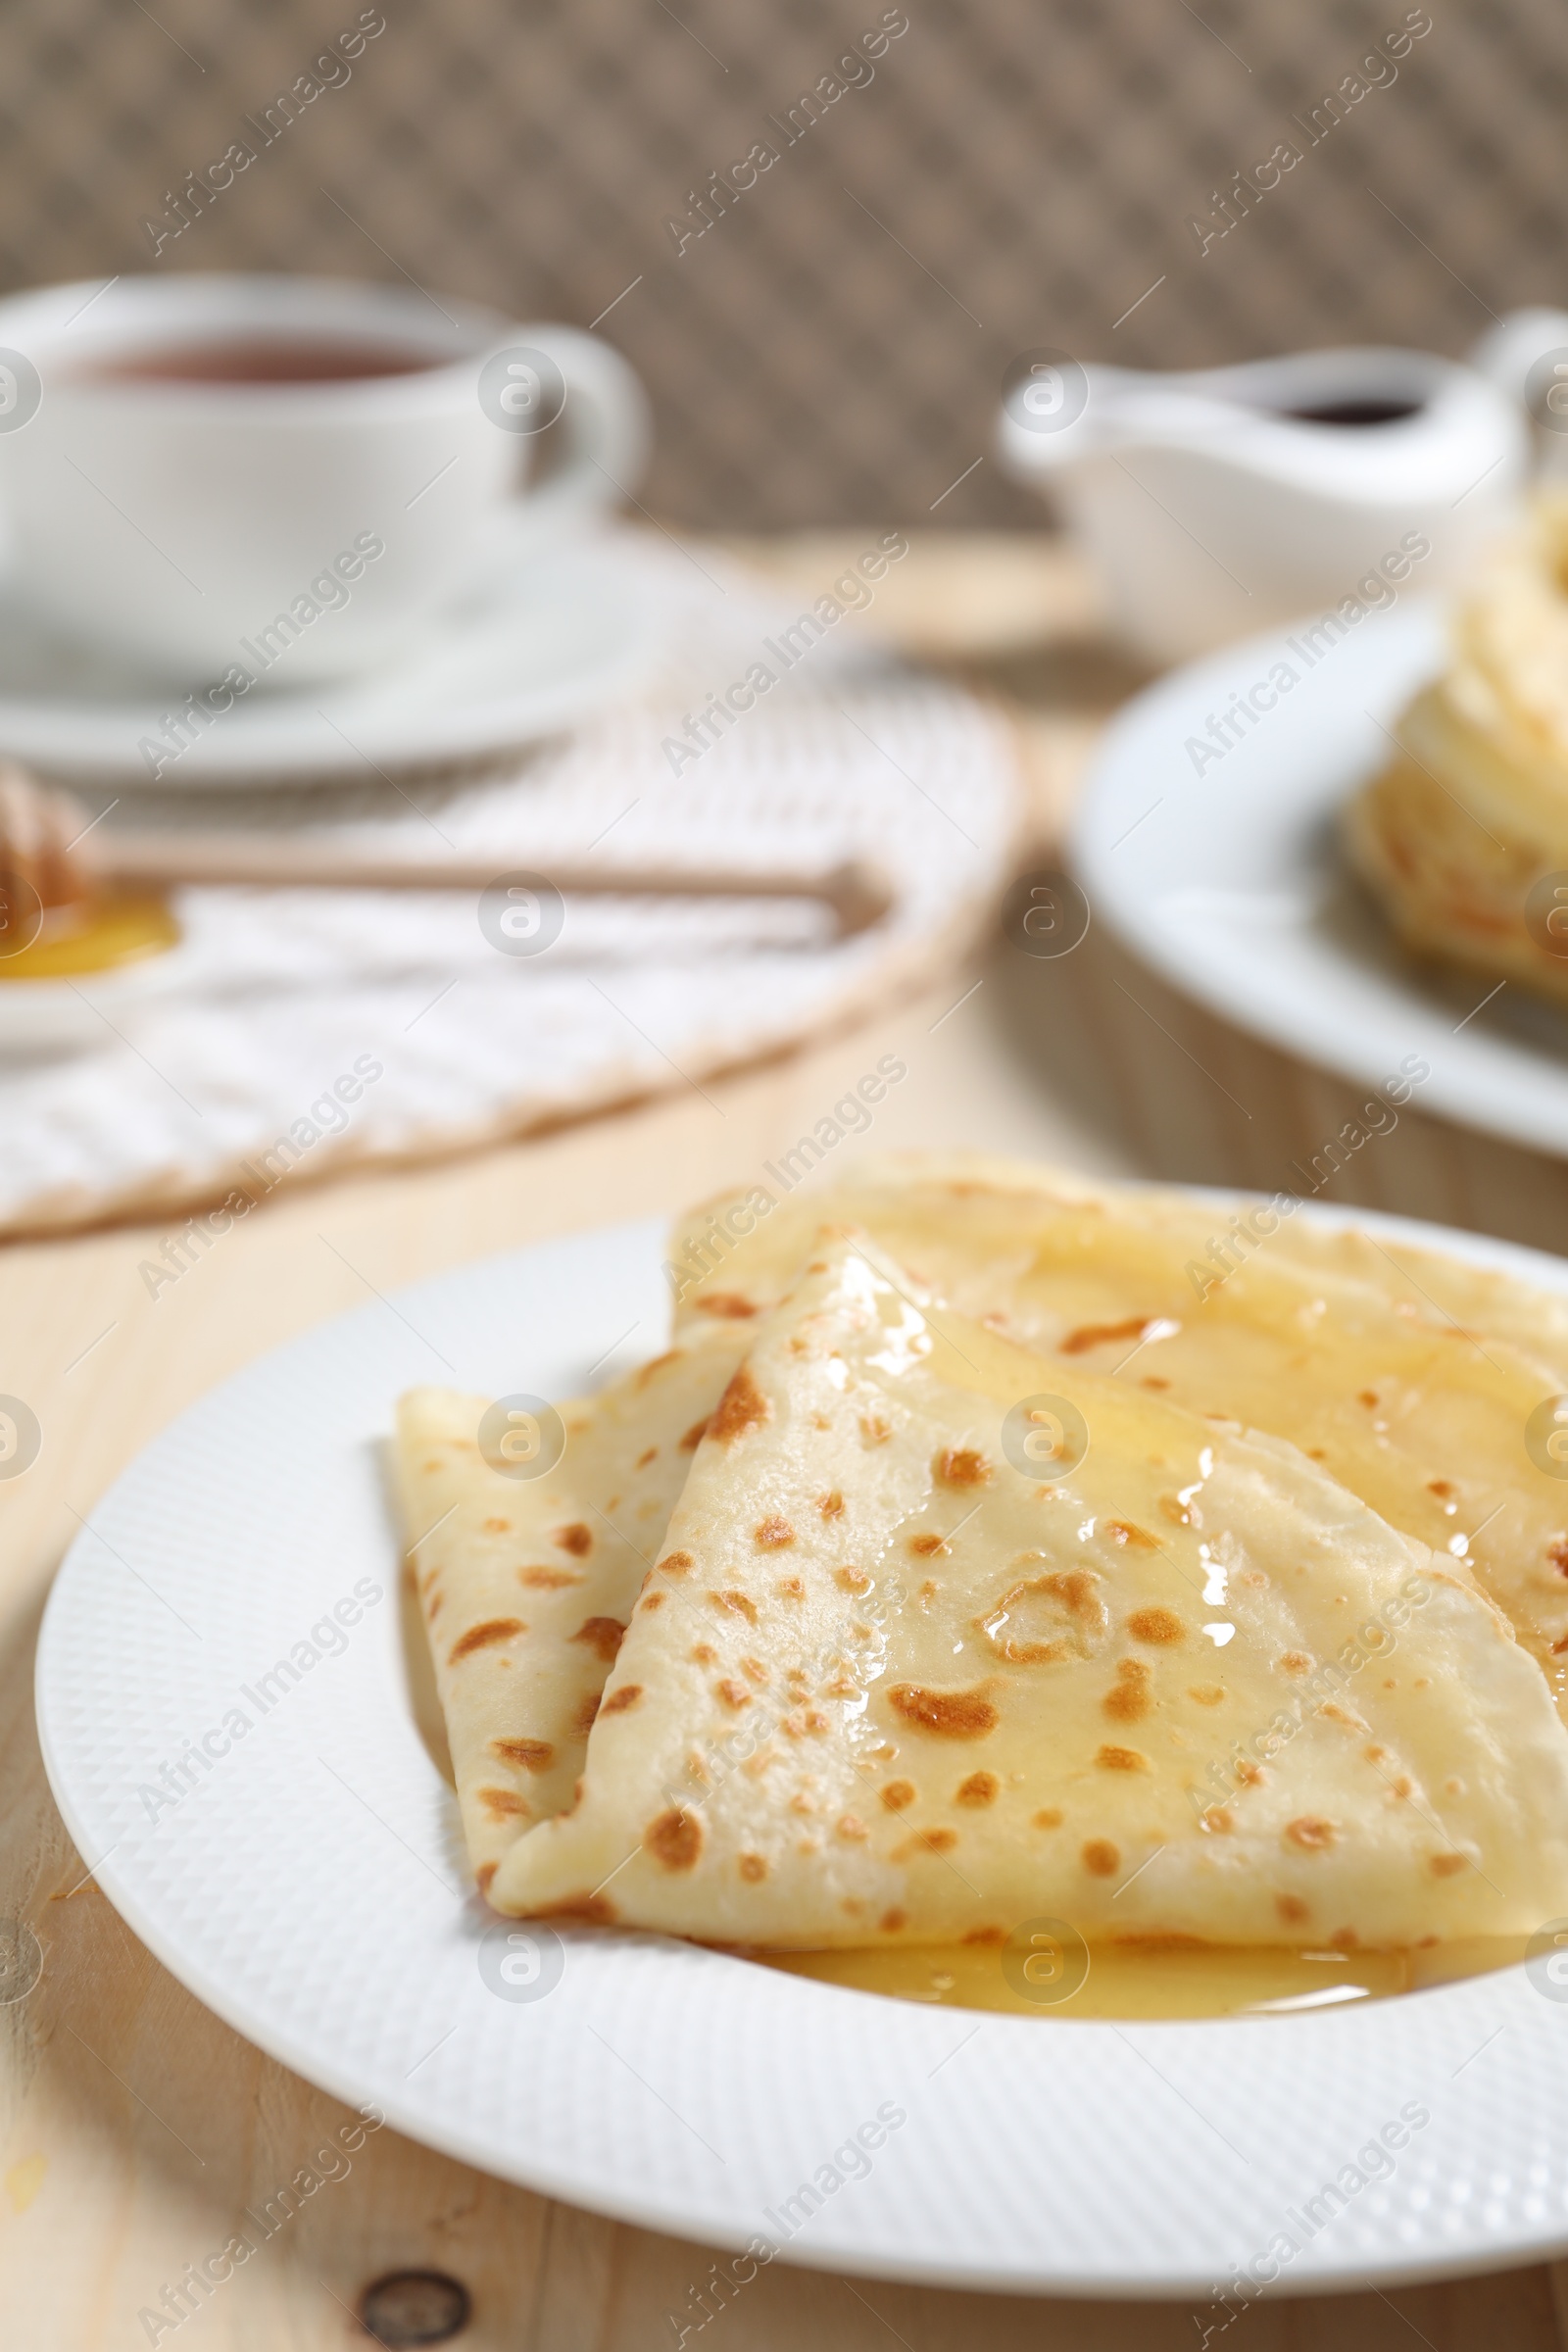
x: 1013, y: 174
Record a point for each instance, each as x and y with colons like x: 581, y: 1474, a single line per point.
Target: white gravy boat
x: 1216, y: 503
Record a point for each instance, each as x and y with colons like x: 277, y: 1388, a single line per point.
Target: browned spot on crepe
x: 674, y: 1564
x: 603, y: 1636
x: 674, y: 1838
x: 831, y: 1505
x: 734, y: 1694
x: 496, y: 1527
x: 1126, y: 1531
x: 961, y: 1466
x: 979, y: 1788
x: 582, y: 1723
x: 925, y: 1842
x: 739, y: 1604
x: 1122, y: 1759
x: 499, y: 1803
x: 536, y: 1755
x: 1047, y: 1817
x: 1097, y: 1334
x: 926, y: 1547
x: 1074, y: 1588
x: 892, y: 1920
x: 576, y: 1538
x: 582, y: 1910
x: 740, y: 1409
x: 752, y: 1867
x: 548, y: 1579
x: 730, y: 1306
x: 1308, y: 1830
x: 485, y: 1636
x: 694, y: 1436
x: 950, y: 1714
x: 483, y: 1876
x: 1157, y: 1625
x: 897, y: 1794
x: 1129, y: 1701
x: 1290, y: 1909
x: 773, y: 1534
x: 619, y: 1700
x: 1101, y: 1858
x: 1444, y: 1865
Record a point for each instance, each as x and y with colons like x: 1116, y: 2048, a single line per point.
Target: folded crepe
x: 886, y: 1684
x: 526, y: 1584
x: 1411, y: 1378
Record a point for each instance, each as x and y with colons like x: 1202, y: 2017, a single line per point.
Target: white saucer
x: 1229, y: 882
x: 306, y: 1881
x: 550, y: 637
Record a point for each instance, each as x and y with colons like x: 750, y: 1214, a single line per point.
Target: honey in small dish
x: 95, y: 935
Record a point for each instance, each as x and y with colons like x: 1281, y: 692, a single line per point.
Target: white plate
x: 308, y: 1887
x: 550, y: 637
x: 1230, y: 883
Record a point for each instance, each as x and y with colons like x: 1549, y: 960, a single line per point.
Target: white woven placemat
x: 230, y: 1082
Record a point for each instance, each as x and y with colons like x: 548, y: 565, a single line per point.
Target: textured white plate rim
x: 1329, y: 2044
x: 1162, y: 851
x: 280, y: 738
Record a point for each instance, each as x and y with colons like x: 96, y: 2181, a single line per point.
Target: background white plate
x: 1231, y: 885
x: 549, y: 636
x: 309, y: 1889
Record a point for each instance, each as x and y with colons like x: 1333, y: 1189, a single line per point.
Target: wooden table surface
x: 135, y: 2127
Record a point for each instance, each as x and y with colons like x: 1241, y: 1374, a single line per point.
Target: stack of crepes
x: 1463, y: 836
x: 981, y: 1552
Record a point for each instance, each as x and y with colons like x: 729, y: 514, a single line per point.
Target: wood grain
x: 134, y: 2126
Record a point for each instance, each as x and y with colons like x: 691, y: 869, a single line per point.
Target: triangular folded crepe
x: 526, y: 1584
x: 1411, y: 1377
x: 886, y: 1684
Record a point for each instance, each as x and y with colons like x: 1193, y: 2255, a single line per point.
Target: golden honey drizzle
x: 1212, y: 1980
x: 113, y: 930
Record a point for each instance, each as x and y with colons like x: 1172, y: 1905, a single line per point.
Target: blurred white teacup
x: 308, y: 468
